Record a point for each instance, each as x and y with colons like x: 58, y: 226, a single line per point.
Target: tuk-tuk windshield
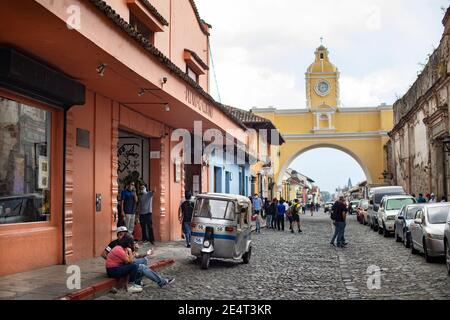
x: 214, y: 209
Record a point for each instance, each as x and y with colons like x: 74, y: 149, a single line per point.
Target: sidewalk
x: 50, y: 283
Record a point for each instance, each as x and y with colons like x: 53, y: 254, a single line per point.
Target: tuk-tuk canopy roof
x: 227, y: 197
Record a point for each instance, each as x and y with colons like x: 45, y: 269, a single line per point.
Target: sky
x: 262, y: 48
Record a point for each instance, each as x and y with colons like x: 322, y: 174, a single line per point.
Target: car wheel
x: 425, y: 252
x: 375, y: 227
x: 380, y: 231
x: 447, y: 255
x: 385, y: 232
x: 406, y: 240
x: 413, y: 250
x: 205, y: 261
x: 247, y: 255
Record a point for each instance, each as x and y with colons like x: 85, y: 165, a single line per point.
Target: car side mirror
x: 400, y: 218
x: 418, y: 221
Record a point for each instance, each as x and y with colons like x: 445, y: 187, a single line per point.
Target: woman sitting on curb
x: 141, y: 263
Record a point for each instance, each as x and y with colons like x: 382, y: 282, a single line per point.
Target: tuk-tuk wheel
x: 247, y: 255
x: 205, y: 261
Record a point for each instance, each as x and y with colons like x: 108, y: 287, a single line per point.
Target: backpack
x: 333, y: 212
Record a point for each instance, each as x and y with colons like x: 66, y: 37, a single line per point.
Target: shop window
x: 24, y: 163
x: 140, y: 27
x: 191, y: 73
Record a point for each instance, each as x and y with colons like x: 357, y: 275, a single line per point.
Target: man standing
x: 339, y: 215
x: 295, y: 210
x: 145, y: 214
x: 280, y: 217
x: 185, y: 216
x: 128, y: 201
x: 257, y: 207
x: 421, y: 199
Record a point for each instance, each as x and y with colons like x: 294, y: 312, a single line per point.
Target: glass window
x: 24, y: 163
x: 438, y: 215
x: 211, y: 208
x: 397, y: 204
x: 192, y: 74
x: 411, y: 213
x: 140, y: 27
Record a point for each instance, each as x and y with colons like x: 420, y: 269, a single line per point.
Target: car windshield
x: 438, y: 215
x: 378, y: 196
x: 214, y: 209
x: 397, y: 204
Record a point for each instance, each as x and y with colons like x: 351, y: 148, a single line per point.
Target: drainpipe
x: 64, y: 189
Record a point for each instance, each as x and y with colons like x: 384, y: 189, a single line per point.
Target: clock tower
x: 322, y: 82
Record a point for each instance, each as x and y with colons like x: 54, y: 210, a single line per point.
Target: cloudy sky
x: 261, y: 50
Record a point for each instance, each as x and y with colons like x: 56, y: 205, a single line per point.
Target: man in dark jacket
x: 339, y: 215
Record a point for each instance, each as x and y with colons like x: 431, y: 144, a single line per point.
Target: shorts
x: 295, y: 218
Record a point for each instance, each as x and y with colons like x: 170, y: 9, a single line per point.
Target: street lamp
x: 446, y: 142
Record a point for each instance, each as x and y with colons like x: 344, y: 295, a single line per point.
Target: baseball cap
x: 122, y: 229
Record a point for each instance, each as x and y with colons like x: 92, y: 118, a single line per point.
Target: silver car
x: 427, y: 230
x: 447, y: 244
x: 403, y: 222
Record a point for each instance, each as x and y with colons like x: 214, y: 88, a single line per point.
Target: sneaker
x: 292, y: 231
x: 188, y: 246
x: 332, y: 244
x: 134, y: 288
x: 153, y: 243
x: 168, y: 281
x: 300, y: 230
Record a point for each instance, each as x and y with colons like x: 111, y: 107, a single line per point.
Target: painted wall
x: 234, y: 169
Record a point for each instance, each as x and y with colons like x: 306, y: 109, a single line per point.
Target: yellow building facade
x: 359, y: 132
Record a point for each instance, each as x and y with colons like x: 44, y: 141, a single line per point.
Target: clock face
x: 323, y: 88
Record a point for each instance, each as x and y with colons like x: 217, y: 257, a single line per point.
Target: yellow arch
x: 313, y: 146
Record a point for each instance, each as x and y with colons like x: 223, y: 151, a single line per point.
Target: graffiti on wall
x: 130, y: 157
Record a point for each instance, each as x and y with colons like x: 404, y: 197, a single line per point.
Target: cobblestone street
x: 305, y: 266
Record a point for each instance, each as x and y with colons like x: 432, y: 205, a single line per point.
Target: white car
x: 447, y: 243
x: 389, y: 208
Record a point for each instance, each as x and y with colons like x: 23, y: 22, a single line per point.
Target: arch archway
x: 285, y: 164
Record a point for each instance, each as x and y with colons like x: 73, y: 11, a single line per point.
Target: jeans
x: 258, y: 221
x: 274, y: 222
x: 129, y: 222
x: 187, y: 232
x: 124, y: 270
x: 339, y: 233
x: 269, y: 221
x: 145, y: 271
x: 280, y: 223
x: 147, y: 227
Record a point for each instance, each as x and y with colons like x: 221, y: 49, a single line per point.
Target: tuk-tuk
x: 221, y: 228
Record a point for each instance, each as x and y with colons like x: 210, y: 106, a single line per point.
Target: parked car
x: 328, y: 206
x: 361, y: 211
x: 21, y: 209
x: 389, y: 208
x: 352, y: 206
x: 427, y: 230
x: 375, y: 196
x: 403, y: 222
x: 447, y: 244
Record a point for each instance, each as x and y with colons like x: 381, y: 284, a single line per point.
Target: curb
x: 104, y: 285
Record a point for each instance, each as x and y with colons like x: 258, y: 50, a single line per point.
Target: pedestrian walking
x: 128, y: 202
x: 312, y: 208
x: 145, y: 214
x: 257, y: 207
x: 268, y: 213
x: 288, y: 213
x: 295, y: 210
x: 339, y: 216
x: 304, y: 208
x: 280, y: 216
x: 185, y: 213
